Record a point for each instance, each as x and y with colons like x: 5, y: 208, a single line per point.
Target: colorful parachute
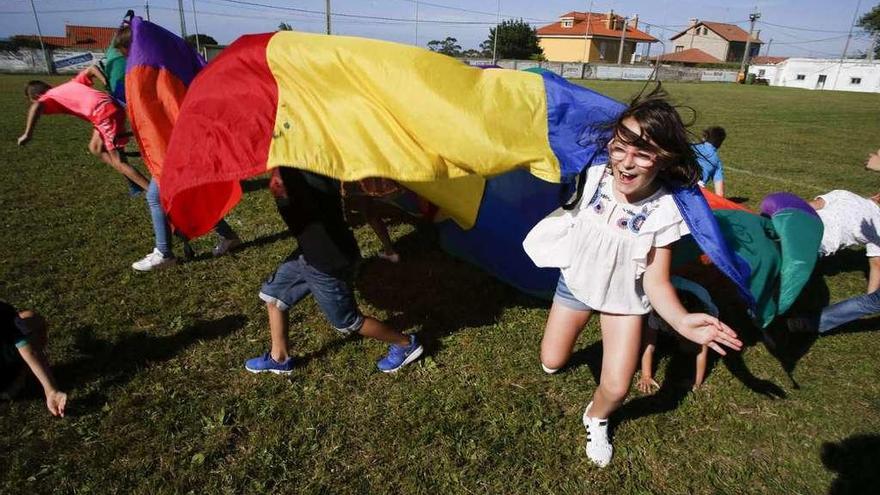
x: 352, y: 108
x: 160, y: 67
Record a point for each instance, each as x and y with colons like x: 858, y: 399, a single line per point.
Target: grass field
x: 160, y: 402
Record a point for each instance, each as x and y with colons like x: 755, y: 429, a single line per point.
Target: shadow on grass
x: 738, y: 199
x: 843, y: 261
x: 116, y: 363
x: 856, y: 460
x: 431, y: 289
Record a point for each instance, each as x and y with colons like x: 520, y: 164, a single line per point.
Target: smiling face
x: 634, y: 165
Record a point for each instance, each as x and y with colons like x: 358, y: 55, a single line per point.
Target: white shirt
x: 849, y: 220
x: 602, y: 245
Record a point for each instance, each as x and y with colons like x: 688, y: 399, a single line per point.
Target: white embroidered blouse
x: 602, y: 245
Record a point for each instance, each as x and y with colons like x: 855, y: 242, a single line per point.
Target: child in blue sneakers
x: 322, y: 265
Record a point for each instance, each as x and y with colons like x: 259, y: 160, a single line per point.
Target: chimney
x: 634, y: 22
x: 757, y: 35
x: 610, y: 23
x: 694, y: 21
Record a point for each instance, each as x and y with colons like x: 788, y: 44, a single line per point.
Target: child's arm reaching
x: 697, y: 327
x: 646, y: 380
x: 93, y: 71
x: 36, y: 361
x: 32, y: 117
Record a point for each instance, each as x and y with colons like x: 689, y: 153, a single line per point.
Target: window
x: 801, y: 77
x: 567, y: 23
x: 855, y: 80
x: 603, y: 45
x: 679, y: 48
x: 705, y: 30
x: 761, y: 72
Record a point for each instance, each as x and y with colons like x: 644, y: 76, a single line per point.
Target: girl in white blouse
x: 613, y: 250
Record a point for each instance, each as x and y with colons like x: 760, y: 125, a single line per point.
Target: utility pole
x: 872, y: 48
x: 587, y: 33
x: 497, y: 33
x: 742, y: 67
x: 846, y: 45
x: 327, y: 10
x: 622, y: 40
x: 196, y: 24
x: 40, y: 36
x: 767, y: 53
x: 849, y: 36
x: 648, y: 44
x: 182, y: 19
x: 147, y: 9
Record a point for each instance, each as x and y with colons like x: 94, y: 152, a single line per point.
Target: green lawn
x: 160, y: 403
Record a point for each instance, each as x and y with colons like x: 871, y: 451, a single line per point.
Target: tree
x: 516, y: 39
x: 204, y: 39
x: 471, y: 53
x: 449, y: 46
x: 285, y: 27
x: 870, y: 22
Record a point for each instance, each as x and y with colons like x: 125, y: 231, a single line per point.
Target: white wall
x: 769, y: 72
x: 838, y: 76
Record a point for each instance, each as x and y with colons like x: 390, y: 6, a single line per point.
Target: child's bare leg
x: 563, y: 327
x: 96, y: 143
x: 378, y: 330
x: 621, y: 339
x: 279, y: 325
x: 115, y: 160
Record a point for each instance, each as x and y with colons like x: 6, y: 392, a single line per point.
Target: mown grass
x: 160, y: 402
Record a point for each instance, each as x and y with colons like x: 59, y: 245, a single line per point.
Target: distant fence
x: 31, y: 60
x: 572, y: 70
x: 70, y: 61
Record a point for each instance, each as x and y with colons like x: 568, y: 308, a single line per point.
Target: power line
x: 802, y: 28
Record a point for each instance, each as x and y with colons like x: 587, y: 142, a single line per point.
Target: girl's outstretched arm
x: 697, y: 327
x: 33, y: 115
x: 95, y: 72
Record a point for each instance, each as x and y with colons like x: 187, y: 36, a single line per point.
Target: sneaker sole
x: 277, y: 372
x: 412, y: 357
x: 154, y: 267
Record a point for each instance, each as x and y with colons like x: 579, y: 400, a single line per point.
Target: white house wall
x: 838, y: 76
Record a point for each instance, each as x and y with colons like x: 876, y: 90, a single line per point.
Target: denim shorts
x: 295, y: 279
x: 564, y: 297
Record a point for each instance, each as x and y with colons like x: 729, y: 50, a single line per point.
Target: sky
x: 798, y: 28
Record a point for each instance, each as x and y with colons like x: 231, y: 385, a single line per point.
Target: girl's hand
x: 646, y: 383
x: 56, y: 401
x: 23, y: 139
x: 709, y: 331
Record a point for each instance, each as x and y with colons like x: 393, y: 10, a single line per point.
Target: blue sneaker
x: 399, y: 356
x: 265, y: 364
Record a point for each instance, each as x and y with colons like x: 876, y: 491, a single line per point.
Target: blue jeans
x: 161, y: 228
x: 849, y: 310
x: 295, y: 279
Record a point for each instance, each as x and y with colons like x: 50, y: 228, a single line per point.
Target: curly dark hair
x: 664, y: 133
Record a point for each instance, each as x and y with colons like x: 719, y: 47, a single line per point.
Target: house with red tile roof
x: 689, y: 57
x: 591, y: 37
x: 725, y: 42
x: 94, y: 38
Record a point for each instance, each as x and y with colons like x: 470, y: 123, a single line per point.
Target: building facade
x: 725, y: 42
x: 824, y: 74
x: 591, y: 37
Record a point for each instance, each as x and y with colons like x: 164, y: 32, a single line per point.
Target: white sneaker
x: 153, y: 261
x: 225, y: 245
x: 547, y: 370
x: 599, y: 449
